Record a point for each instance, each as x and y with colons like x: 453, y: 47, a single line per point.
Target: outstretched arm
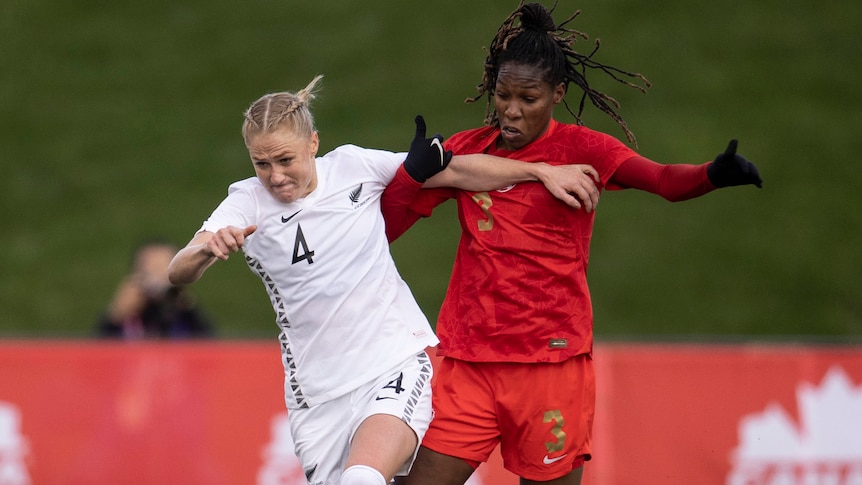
x: 678, y: 182
x: 203, y: 250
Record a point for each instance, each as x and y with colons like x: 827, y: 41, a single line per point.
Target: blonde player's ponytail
x: 284, y: 109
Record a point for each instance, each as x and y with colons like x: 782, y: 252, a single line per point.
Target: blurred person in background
x: 146, y: 305
x: 353, y: 338
x: 518, y: 309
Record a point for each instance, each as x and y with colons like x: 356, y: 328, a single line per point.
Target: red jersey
x: 518, y: 291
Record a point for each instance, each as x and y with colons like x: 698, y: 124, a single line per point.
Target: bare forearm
x: 573, y: 184
x: 190, y: 263
x: 481, y: 172
x: 203, y: 250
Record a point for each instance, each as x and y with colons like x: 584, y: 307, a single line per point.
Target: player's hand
x: 228, y: 240
x: 576, y: 185
x: 729, y: 169
x: 426, y: 157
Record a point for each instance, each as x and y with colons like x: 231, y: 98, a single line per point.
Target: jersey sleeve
x: 604, y: 152
x: 384, y: 164
x: 380, y: 164
x: 405, y: 201
x: 237, y: 209
x: 674, y: 182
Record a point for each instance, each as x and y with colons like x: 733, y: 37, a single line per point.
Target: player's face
x: 284, y: 163
x: 525, y: 103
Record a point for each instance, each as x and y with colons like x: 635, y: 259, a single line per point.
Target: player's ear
x: 315, y: 143
x: 559, y: 92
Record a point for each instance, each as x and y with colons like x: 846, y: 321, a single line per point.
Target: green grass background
x: 120, y: 121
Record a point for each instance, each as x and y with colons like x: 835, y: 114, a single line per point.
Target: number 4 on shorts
x: 395, y: 384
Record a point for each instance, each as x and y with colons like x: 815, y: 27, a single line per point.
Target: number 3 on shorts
x: 555, y: 417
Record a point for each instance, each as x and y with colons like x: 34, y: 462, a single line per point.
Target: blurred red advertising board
x: 76, y: 412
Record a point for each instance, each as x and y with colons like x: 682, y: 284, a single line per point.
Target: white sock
x: 362, y: 475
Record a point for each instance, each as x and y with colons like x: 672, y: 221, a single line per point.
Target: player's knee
x: 362, y: 475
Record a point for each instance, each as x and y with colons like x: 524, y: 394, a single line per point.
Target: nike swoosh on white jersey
x: 548, y: 461
x: 284, y: 220
x: 436, y: 142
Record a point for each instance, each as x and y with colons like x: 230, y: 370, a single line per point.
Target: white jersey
x: 345, y: 314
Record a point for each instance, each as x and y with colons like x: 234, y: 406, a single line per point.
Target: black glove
x: 426, y: 157
x: 729, y: 169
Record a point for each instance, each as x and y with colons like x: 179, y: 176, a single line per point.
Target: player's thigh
x: 383, y: 442
x: 465, y: 418
x: 321, y: 440
x: 432, y: 468
x: 395, y: 414
x: 323, y: 433
x: 547, y: 426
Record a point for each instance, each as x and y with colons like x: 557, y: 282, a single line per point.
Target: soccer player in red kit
x: 515, y: 327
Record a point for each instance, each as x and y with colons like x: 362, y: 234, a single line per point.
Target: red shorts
x: 540, y: 414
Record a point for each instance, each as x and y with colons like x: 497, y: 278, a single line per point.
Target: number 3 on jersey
x: 301, y: 252
x: 483, y: 200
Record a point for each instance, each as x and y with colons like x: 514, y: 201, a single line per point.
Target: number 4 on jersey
x: 300, y: 245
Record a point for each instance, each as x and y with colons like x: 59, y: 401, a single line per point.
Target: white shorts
x: 322, y: 433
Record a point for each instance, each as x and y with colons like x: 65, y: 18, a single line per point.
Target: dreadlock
x: 530, y: 36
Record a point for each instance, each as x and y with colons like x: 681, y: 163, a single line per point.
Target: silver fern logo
x: 354, y: 195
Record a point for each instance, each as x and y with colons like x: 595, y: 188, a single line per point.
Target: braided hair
x: 272, y: 111
x: 530, y: 36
